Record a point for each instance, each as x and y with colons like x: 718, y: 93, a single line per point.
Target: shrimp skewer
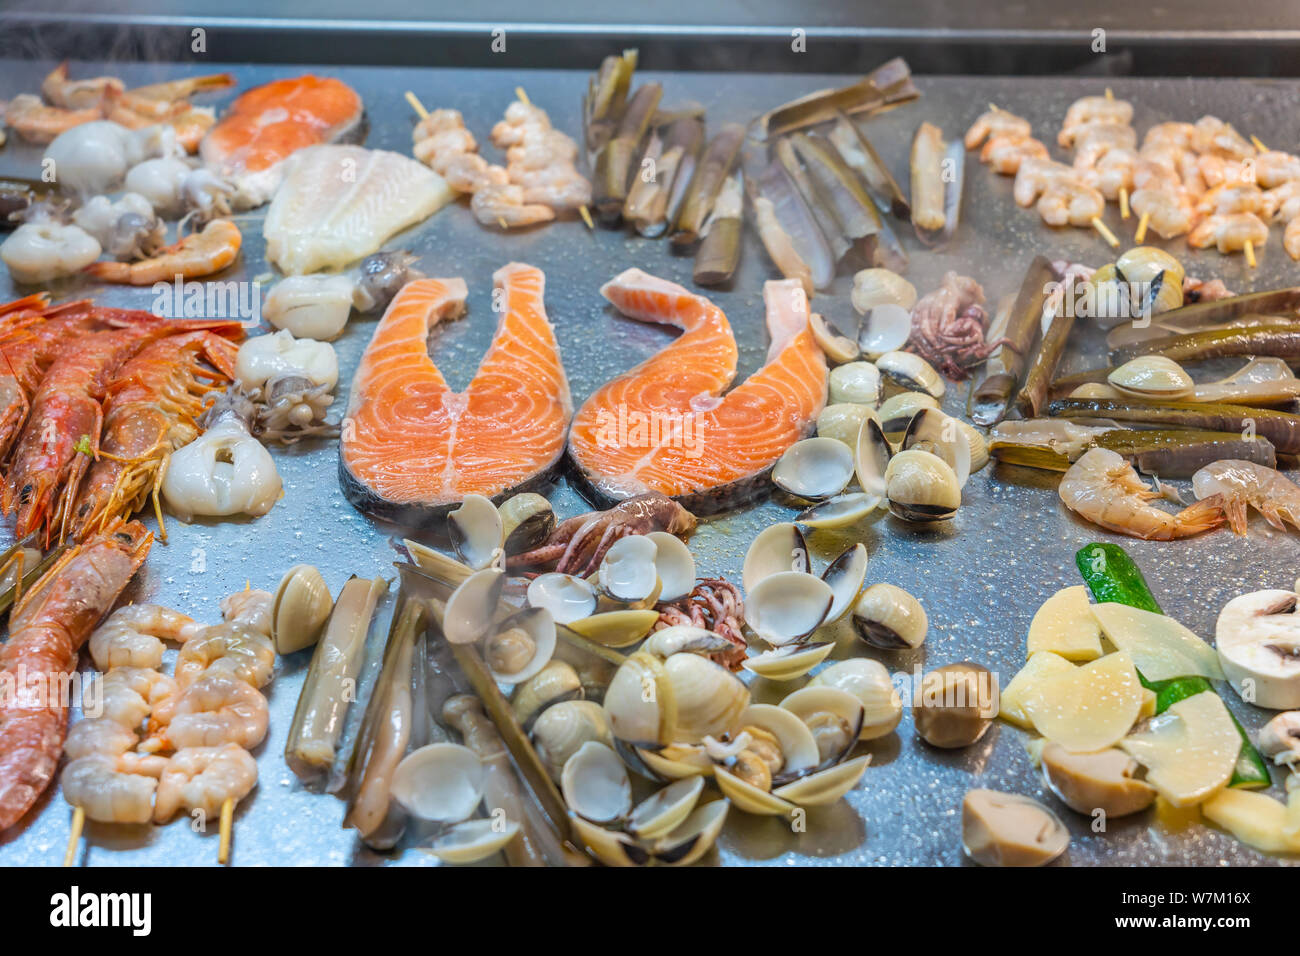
x: 1103, y: 488
x: 994, y: 124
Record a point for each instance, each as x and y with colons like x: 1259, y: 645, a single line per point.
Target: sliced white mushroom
x: 567, y: 597
x: 1258, y: 641
x: 439, y: 782
x: 786, y: 607
x: 778, y: 547
x: 856, y: 382
x: 1007, y: 829
x: 674, y: 564
x: 628, y: 574
x: 1087, y: 782
x: 1280, y: 738
x: 472, y: 606
x: 814, y: 468
x: 595, y: 784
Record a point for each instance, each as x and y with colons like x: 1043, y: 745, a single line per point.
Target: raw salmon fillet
x: 411, y: 448
x: 663, y: 427
x: 269, y: 123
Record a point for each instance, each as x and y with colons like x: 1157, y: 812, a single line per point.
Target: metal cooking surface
x: 981, y: 577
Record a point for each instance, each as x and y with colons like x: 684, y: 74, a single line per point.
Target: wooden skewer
x: 993, y: 108
x: 1258, y: 145
x: 74, y: 837
x: 523, y: 97
x: 1250, y: 254
x: 1142, y: 226
x: 1105, y: 232
x: 227, y: 824
x: 1109, y: 94
x: 416, y: 105
x: 1123, y: 203
x: 582, y: 210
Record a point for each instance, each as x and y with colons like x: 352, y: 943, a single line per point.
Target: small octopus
x: 716, y: 606
x: 949, y: 327
x: 578, y: 544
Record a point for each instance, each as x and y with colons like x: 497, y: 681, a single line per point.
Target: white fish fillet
x: 338, y: 204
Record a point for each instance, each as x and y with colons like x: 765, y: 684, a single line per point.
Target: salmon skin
x: 411, y: 448
x: 268, y: 124
x: 664, y: 427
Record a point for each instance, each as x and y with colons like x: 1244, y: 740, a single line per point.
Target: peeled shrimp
x: 227, y: 649
x: 996, y: 123
x: 540, y: 159
x: 443, y: 143
x: 1231, y: 198
x: 1177, y: 135
x: 113, y: 789
x: 1094, y: 140
x: 1092, y: 109
x: 1103, y: 488
x: 203, y: 778
x: 129, y: 694
x: 198, y: 254
x: 1291, y: 239
x: 38, y: 123
x: 1241, y: 484
x: 1168, y: 211
x: 1274, y: 167
x: 1113, y: 172
x: 39, y: 252
x: 1070, y: 204
x: 522, y: 120
x: 505, y: 205
x: 126, y: 229
x: 133, y: 636
x: 216, y: 709
x: 1215, y: 137
x: 79, y: 94
x: 1036, y: 175
x: 1005, y: 153
x: 1229, y: 232
x: 250, y: 608
x: 99, y: 736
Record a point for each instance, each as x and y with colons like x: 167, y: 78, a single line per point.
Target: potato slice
x: 1253, y: 818
x: 1161, y: 648
x: 1026, y: 684
x: 1189, y: 750
x: 1065, y: 625
x: 1091, y: 708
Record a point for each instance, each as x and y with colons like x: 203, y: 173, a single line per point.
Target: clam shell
x: 933, y: 431
x: 807, y: 702
x: 857, y: 382
x: 554, y: 683
x: 1152, y: 375
x: 825, y: 786
x: 750, y: 798
x: 911, y: 372
x: 476, y: 531
x: 897, y: 411
x: 447, y: 570
x: 778, y: 547
x: 561, y: 729
x: 798, y: 746
x: 567, y: 597
x: 301, y: 607
x: 674, y: 564
x: 684, y: 638
x: 472, y: 840
x: 709, y: 698
x: 665, y: 810
x: 885, y: 328
x: 527, y: 520
x: 838, y: 347
x: 616, y: 628
x: 694, y: 837
x: 843, y: 421
x: 628, y: 574
x: 789, y: 661
x: 814, y: 468
x: 869, y: 682
x: 611, y: 847
x: 595, y: 785
x: 439, y: 782
x: 787, y: 607
x: 539, y: 627
x: 840, y: 511
x: 886, y: 616
x: 876, y: 287
x: 845, y: 576
x: 472, y: 606
x: 676, y: 763
x: 640, y: 704
x: 871, y: 458
x: 921, y: 486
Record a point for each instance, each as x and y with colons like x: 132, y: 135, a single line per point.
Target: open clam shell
x: 694, y: 837
x: 674, y: 564
x: 472, y: 607
x: 786, y: 607
x: 834, y: 716
x: 616, y: 628
x: 440, y: 782
x: 684, y: 639
x: 871, y: 458
x: 933, y: 431
x: 563, y: 728
x: 628, y: 573
x: 472, y: 840
x: 842, y: 421
x: 840, y: 511
x: 521, y: 645
x: 640, y: 704
x: 921, y: 486
x: 885, y: 328
x: 788, y: 661
x: 814, y: 468
x: 445, y: 570
x: 825, y: 786
x: 897, y: 411
x: 666, y: 809
x: 611, y: 847
x: 799, y: 751
x: 911, y: 372
x: 527, y: 520
x: 676, y: 761
x: 749, y: 798
x: 569, y: 598
x: 553, y: 684
x: 869, y: 682
x: 595, y: 784
x: 477, y: 532
x: 777, y: 548
x: 845, y: 576
x: 838, y: 347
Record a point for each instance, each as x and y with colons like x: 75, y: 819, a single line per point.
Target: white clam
x: 911, y: 372
x: 842, y: 421
x: 845, y: 576
x: 472, y: 840
x: 921, y: 487
x: 616, y: 628
x: 628, y: 572
x: 837, y: 346
x: 1152, y: 376
x: 477, y: 532
x: 834, y: 715
x: 933, y: 431
x: 564, y: 728
x: 814, y: 468
x: 871, y: 458
x: 567, y: 597
x: 440, y: 782
x: 869, y: 682
x: 886, y: 328
x: 787, y: 607
x: 595, y: 784
x: 521, y: 645
x: 857, y: 382
x: 840, y: 511
x: 779, y: 547
x: 666, y: 809
x: 301, y: 607
x: 897, y: 411
x: 674, y: 564
x: 788, y: 661
x: 472, y: 606
x: 876, y: 287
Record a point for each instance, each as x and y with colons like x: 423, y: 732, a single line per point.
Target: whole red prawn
x: 46, y: 631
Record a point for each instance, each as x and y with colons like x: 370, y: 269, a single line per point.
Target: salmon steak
x: 665, y: 425
x: 411, y: 448
x: 268, y: 124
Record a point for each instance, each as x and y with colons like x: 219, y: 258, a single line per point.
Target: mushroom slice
x: 1258, y: 640
x: 1007, y: 829
x: 845, y: 576
x: 595, y: 784
x: 1161, y: 648
x: 628, y: 574
x: 472, y: 606
x: 666, y: 809
x: 838, y: 347
x: 886, y: 616
x: 788, y: 661
x: 1189, y: 751
x: 777, y: 548
x: 616, y: 628
x: 472, y: 840
x: 522, y: 645
x: 825, y: 786
x: 885, y: 328
x: 787, y: 607
x: 869, y: 682
x: 834, y: 716
x: 674, y: 564
x: 942, y: 435
x: 840, y: 511
x: 1087, y: 782
x: 814, y: 468
x: 1088, y: 708
x: 911, y: 372
x: 440, y: 782
x: 477, y: 532
x: 953, y: 705
x: 694, y: 837
x: 871, y: 458
x: 567, y: 597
